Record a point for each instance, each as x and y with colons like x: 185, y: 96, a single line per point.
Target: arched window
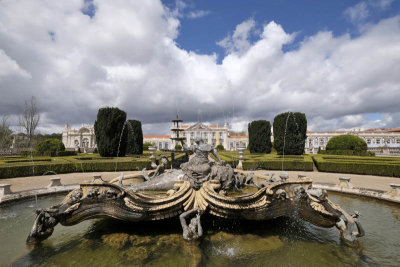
x: 85, y: 142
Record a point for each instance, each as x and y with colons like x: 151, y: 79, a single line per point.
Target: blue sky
x: 337, y: 61
x: 304, y: 17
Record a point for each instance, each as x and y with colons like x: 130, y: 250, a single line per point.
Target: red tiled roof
x: 156, y: 136
x: 394, y: 130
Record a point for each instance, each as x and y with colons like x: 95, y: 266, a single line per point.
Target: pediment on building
x: 198, y: 127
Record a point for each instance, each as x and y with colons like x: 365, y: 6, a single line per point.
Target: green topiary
x: 220, y: 147
x: 296, y: 133
x: 49, y: 147
x: 135, y: 137
x: 146, y: 146
x: 108, y: 129
x: 347, y: 142
x: 259, y: 136
x: 178, y: 147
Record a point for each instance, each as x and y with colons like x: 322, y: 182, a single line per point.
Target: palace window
x: 166, y: 145
x: 388, y: 141
x: 213, y: 135
x: 397, y: 141
x: 192, y: 135
x: 205, y: 135
x: 368, y: 141
x: 378, y: 141
x: 183, y: 134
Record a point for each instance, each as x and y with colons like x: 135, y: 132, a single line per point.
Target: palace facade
x: 381, y: 141
x: 212, y: 134
x: 82, y: 139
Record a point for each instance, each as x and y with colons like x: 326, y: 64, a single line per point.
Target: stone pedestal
x: 97, y: 179
x: 344, y: 182
x: 5, y: 189
x: 153, y: 150
x: 241, y: 157
x: 395, y: 191
x: 56, y: 181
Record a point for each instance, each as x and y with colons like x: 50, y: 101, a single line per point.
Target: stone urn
x: 153, y: 150
x: 241, y: 157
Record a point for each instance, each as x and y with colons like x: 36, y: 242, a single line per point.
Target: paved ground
x: 360, y: 181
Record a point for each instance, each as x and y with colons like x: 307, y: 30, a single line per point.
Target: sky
x: 212, y: 61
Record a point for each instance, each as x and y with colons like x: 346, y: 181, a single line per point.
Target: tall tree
x: 260, y: 136
x: 290, y: 133
x: 110, y: 132
x: 30, y: 119
x: 5, y: 133
x: 135, y: 137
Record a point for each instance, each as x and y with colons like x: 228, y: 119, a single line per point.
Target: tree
x: 259, y: 136
x: 146, y: 146
x: 220, y: 147
x: 5, y: 133
x: 347, y: 142
x: 108, y: 127
x: 30, y: 119
x: 135, y: 137
x: 290, y: 133
x: 50, y: 147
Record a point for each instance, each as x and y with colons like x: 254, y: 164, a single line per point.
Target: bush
x: 295, y: 127
x: 146, y: 146
x: 135, y: 137
x: 108, y: 129
x: 178, y: 147
x: 347, y: 142
x: 220, y: 147
x: 346, y: 152
x: 259, y: 136
x: 49, y: 147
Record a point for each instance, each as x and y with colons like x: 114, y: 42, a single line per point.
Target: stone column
x: 152, y: 150
x: 241, y: 157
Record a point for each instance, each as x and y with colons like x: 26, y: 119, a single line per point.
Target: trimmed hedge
x: 95, y: 166
x: 358, y: 165
x: 259, y: 136
x: 346, y: 152
x: 135, y: 137
x: 108, y: 128
x: 290, y: 133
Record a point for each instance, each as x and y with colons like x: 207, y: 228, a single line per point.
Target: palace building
x: 212, y: 134
x: 83, y: 138
x: 381, y: 141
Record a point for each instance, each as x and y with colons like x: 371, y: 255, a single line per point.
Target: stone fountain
x: 199, y: 186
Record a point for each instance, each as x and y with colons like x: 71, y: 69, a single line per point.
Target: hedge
x: 346, y: 152
x: 95, y: 166
x: 357, y: 165
x: 288, y: 165
x: 259, y: 136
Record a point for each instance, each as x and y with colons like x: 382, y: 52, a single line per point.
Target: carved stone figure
x: 194, y: 230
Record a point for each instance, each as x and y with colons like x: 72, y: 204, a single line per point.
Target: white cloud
x: 239, y: 40
x: 126, y: 56
x: 198, y: 14
x: 358, y: 12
